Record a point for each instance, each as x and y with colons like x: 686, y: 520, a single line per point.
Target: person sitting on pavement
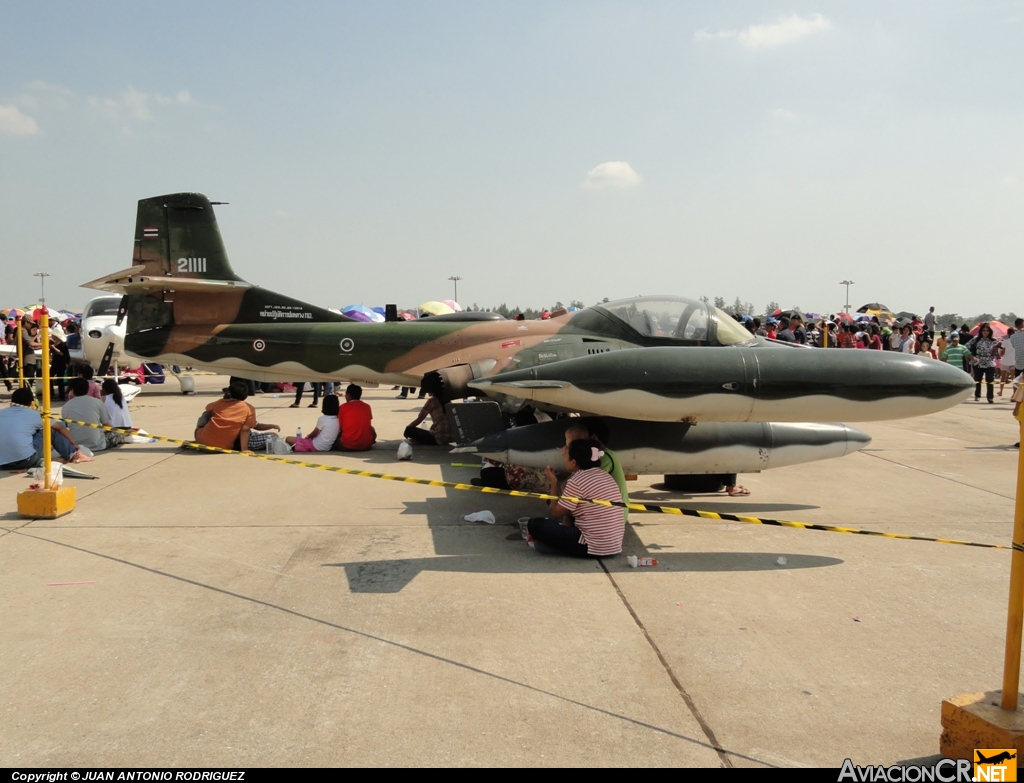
x: 581, y: 529
x: 117, y: 408
x: 92, y: 388
x: 354, y: 417
x: 85, y: 408
x: 229, y: 423
x: 593, y: 428
x: 325, y: 433
x: 440, y: 432
x: 21, y: 435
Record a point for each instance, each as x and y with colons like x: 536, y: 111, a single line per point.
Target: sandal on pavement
x: 737, y: 490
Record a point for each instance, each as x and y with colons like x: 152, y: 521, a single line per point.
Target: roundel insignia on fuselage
x: 258, y: 345
x: 347, y: 345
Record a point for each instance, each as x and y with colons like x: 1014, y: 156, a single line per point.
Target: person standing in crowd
x: 847, y: 337
x: 1017, y: 341
x: 1009, y: 360
x: 299, y: 386
x: 924, y: 348
x: 905, y: 342
x: 5, y: 364
x: 60, y: 359
x: 799, y: 333
x: 874, y: 338
x: 29, y: 342
x: 785, y: 333
x: 956, y: 354
x: 929, y: 322
x: 983, y: 349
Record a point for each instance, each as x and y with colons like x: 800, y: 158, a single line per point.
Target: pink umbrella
x: 998, y: 329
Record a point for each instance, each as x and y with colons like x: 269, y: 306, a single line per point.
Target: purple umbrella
x: 356, y: 315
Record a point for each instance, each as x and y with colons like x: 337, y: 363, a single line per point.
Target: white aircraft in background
x: 103, y: 329
x: 102, y: 342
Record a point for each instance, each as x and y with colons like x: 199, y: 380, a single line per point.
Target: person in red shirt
x: 355, y: 416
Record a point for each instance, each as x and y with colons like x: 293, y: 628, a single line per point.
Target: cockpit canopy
x: 676, y: 320
x: 104, y: 305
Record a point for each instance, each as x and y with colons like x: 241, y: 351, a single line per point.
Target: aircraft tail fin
x: 180, y: 273
x: 177, y: 236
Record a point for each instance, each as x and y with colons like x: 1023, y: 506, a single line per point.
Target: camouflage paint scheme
x: 186, y: 305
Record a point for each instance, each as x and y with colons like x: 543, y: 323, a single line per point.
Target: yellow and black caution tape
x: 543, y: 496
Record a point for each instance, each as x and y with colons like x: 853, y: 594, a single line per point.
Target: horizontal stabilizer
x: 135, y: 281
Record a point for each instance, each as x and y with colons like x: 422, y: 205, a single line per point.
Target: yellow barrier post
x: 1015, y: 611
x: 47, y: 433
x: 21, y: 359
x: 48, y: 502
x: 992, y: 719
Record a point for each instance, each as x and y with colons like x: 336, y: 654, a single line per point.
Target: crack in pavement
x: 723, y: 754
x: 936, y: 475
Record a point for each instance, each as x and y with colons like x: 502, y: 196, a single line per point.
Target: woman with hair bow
x: 581, y: 529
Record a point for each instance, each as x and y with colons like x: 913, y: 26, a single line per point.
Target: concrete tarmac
x: 234, y: 612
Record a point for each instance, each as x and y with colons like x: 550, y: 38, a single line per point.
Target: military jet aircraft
x: 653, y: 359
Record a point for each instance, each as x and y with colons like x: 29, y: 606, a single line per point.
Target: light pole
x: 455, y: 279
x: 847, y: 283
x: 42, y: 285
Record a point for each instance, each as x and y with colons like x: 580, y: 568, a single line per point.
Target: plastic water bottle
x: 635, y: 561
x: 298, y: 432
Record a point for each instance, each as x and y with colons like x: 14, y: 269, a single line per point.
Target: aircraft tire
x: 696, y: 482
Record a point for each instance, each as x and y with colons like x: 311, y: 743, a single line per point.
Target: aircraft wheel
x: 696, y: 482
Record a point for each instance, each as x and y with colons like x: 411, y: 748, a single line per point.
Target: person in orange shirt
x: 357, y: 434
x: 226, y: 423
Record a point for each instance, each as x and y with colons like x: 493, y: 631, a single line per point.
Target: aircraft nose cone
x: 856, y: 439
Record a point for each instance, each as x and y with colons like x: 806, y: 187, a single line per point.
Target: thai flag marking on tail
x: 150, y: 233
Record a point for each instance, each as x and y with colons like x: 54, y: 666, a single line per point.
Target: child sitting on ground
x: 326, y: 432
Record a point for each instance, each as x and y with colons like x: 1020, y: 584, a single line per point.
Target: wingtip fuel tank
x: 752, y: 383
x: 645, y: 447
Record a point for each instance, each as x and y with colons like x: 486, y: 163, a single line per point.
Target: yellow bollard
x: 47, y: 433
x: 49, y: 502
x: 991, y: 719
x: 21, y: 358
x: 1015, y: 610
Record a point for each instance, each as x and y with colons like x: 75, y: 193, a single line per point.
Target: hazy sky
x: 541, y: 151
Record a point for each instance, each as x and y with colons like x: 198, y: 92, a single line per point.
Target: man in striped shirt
x: 956, y: 354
